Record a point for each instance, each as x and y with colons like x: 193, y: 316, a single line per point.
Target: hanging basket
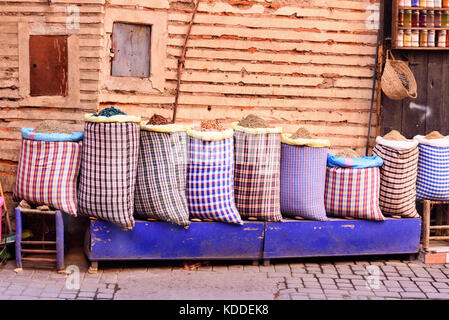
x: 391, y: 82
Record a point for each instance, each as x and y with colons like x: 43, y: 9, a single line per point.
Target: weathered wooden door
x: 48, y: 65
x: 131, y: 44
x: 430, y: 111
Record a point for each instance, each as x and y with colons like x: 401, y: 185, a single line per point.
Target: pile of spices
x: 434, y: 135
x: 395, y: 136
x: 253, y: 121
x: 109, y: 112
x: 211, y: 125
x: 157, y: 119
x: 348, y: 153
x: 51, y: 126
x: 301, y: 133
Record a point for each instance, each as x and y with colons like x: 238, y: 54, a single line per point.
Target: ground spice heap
x: 434, y: 135
x: 109, y: 112
x: 211, y: 125
x: 348, y: 153
x: 51, y: 126
x: 253, y: 121
x: 301, y: 133
x: 157, y: 119
x: 395, y: 136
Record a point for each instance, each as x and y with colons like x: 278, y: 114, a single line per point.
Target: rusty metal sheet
x: 131, y: 44
x: 48, y: 65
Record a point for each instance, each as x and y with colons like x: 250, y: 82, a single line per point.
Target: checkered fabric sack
x: 353, y: 192
x: 398, y: 173
x: 210, y: 176
x: 161, y: 175
x: 108, y: 171
x: 432, y: 182
x: 257, y: 174
x: 47, y: 174
x: 303, y: 176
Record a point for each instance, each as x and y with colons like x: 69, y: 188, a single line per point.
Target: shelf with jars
x: 420, y: 25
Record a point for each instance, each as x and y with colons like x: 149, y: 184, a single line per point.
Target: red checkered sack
x: 47, y: 174
x: 257, y: 175
x: 352, y: 192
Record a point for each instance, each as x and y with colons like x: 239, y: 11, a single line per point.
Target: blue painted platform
x: 341, y: 237
x: 252, y: 241
x: 161, y: 240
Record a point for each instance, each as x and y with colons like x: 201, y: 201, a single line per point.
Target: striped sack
x: 303, y: 176
x: 161, y: 177
x: 257, y: 175
x: 210, y: 180
x: 47, y: 174
x: 432, y: 182
x: 108, y: 171
x: 397, y: 194
x: 353, y: 192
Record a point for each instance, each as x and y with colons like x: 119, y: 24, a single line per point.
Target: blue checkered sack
x: 432, y: 182
x: 210, y: 180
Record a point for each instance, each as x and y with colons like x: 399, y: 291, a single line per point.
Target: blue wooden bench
x: 252, y: 241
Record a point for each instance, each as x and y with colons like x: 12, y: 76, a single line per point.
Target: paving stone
x: 413, y: 295
x: 104, y: 296
x: 298, y: 296
x: 444, y: 296
x: 386, y: 294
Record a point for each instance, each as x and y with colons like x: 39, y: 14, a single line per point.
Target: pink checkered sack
x: 47, y: 174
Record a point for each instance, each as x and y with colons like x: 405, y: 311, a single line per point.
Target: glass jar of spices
x: 430, y: 19
x: 408, y: 3
x: 401, y: 18
x: 438, y: 3
x: 407, y: 38
x: 441, y: 39
x: 445, y: 3
x: 407, y: 18
x: 401, y: 3
x: 437, y: 19
x: 422, y: 19
x: 445, y: 19
x: 423, y: 3
x: 415, y: 18
x: 430, y: 4
x: 423, y: 38
x: 415, y: 3
x: 431, y: 38
x: 400, y: 38
x: 415, y: 38
x: 447, y: 39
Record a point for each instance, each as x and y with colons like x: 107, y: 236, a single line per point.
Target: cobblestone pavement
x: 286, y: 279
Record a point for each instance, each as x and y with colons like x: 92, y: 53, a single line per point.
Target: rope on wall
x: 181, y: 62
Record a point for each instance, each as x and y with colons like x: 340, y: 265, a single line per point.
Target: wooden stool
x: 427, y: 207
x: 59, y: 242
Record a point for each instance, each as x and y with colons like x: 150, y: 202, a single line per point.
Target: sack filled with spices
x: 257, y: 169
x: 303, y: 175
x: 398, y: 173
x: 48, y: 168
x: 210, y: 173
x: 109, y: 167
x: 432, y: 182
x: 161, y: 172
x: 352, y: 187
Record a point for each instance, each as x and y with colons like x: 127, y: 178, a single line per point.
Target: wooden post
x: 59, y: 241
x: 18, y: 238
x: 426, y: 223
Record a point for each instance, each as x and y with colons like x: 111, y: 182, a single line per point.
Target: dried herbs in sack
x: 48, y: 168
x: 398, y: 174
x: 257, y: 169
x: 303, y: 176
x: 432, y: 182
x: 109, y: 166
x: 161, y: 173
x: 210, y: 174
x: 352, y: 187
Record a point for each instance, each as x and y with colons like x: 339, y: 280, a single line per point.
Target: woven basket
x: 391, y: 84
